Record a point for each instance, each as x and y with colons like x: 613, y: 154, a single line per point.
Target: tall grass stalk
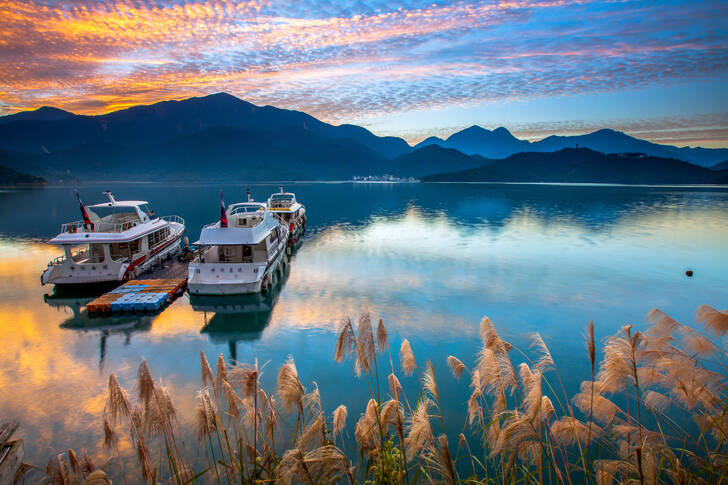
x: 601, y: 435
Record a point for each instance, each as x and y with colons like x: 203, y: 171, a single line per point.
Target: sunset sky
x: 410, y: 68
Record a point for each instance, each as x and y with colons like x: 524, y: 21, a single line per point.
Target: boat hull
x: 231, y: 278
x: 69, y: 273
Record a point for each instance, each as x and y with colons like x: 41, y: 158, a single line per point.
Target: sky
x: 410, y: 68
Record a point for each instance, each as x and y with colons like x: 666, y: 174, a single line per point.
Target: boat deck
x: 172, y: 269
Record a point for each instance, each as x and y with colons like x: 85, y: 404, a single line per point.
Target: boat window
x: 96, y: 253
x: 156, y: 238
x: 134, y: 246
x: 119, y: 251
x: 281, y: 200
x: 147, y: 210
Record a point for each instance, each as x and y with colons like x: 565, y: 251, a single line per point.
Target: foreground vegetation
x: 655, y: 410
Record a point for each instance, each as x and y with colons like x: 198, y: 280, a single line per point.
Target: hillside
x: 583, y: 165
x: 167, y: 120
x: 217, y: 154
x: 431, y: 159
x: 12, y: 178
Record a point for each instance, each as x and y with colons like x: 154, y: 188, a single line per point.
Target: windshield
x: 147, y: 210
x: 113, y: 213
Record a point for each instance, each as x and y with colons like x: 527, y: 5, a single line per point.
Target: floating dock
x: 138, y: 296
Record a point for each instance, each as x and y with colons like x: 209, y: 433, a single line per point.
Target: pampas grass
x: 407, y: 358
x: 652, y: 411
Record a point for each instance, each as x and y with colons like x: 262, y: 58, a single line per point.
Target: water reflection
x: 233, y: 318
x: 431, y: 260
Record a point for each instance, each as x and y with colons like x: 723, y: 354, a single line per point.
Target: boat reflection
x: 105, y: 326
x: 236, y: 318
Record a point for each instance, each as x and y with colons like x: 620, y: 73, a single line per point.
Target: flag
x: 223, y: 215
x: 86, y: 219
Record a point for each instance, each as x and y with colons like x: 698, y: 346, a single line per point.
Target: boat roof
x: 291, y: 208
x: 130, y: 234
x: 213, y: 234
x: 120, y: 203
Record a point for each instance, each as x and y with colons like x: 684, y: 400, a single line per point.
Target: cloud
x: 348, y: 60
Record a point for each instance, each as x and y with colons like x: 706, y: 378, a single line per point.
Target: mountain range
x: 500, y: 143
x: 583, y: 165
x: 223, y: 138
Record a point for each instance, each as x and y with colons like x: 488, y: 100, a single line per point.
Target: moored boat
x: 116, y: 241
x: 290, y: 212
x: 239, y: 253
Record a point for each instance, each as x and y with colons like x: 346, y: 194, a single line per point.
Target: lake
x: 429, y: 259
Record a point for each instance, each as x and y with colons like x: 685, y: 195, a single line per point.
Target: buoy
x: 689, y: 273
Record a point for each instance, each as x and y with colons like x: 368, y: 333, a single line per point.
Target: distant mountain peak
x: 51, y: 109
x: 44, y: 113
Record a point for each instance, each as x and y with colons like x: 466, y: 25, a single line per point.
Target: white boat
x: 238, y: 254
x: 116, y: 241
x: 289, y: 211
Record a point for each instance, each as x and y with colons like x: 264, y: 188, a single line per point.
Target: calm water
x: 431, y: 260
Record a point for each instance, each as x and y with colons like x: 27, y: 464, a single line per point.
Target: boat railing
x: 174, y: 219
x: 80, y: 227
x: 75, y: 257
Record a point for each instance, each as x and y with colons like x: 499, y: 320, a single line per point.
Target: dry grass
x: 654, y: 410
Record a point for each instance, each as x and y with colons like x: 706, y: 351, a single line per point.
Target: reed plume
x: 233, y: 400
x: 365, y: 431
x: 207, y: 376
x: 145, y: 383
x: 313, y: 434
x: 475, y: 410
x: 117, y: 403
x: 205, y: 416
x: 246, y: 377
x: 590, y: 401
x: 419, y: 431
x: 456, y: 366
x: 545, y: 361
x: 290, y: 390
x: 221, y: 374
x: 428, y: 381
x: 407, y: 358
x: 569, y: 431
x: 394, y: 386
x: 382, y: 338
x: 714, y: 320
x: 110, y: 440
x: 668, y: 367
x: 326, y: 464
x: 365, y: 345
x: 312, y: 401
x: 339, y: 420
x: 346, y: 342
